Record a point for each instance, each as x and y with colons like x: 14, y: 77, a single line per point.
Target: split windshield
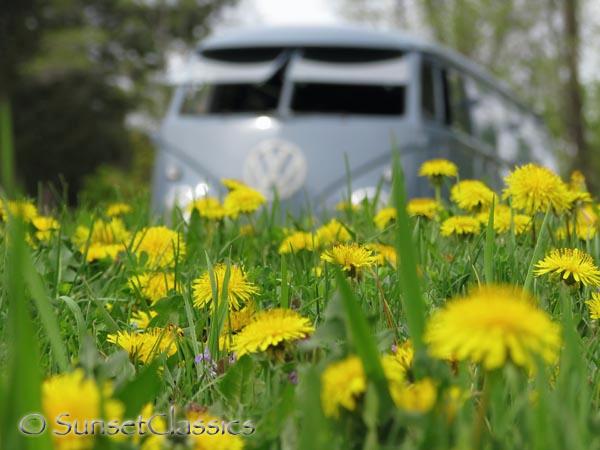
x: 321, y: 81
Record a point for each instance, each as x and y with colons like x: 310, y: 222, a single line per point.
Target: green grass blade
x: 412, y: 300
x: 537, y: 253
x: 284, y: 300
x: 489, y: 250
x: 79, y: 319
x: 23, y: 372
x: 363, y: 341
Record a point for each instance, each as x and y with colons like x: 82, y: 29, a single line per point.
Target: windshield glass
x: 323, y: 80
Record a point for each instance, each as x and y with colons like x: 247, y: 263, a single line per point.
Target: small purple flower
x: 203, y: 357
x: 293, y: 377
x: 394, y: 348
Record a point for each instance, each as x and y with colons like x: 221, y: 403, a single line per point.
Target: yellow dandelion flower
x: 344, y: 205
x: 417, y: 397
x: 405, y: 354
x: 332, y: 232
x: 460, y: 226
x: 350, y: 256
x: 236, y: 320
x: 472, y: 195
x: 438, y: 168
x: 160, y: 245
x: 106, y: 239
x: 232, y: 184
x: 243, y: 200
x: 504, y: 218
x: 423, y: 207
x: 81, y: 398
x: 534, y: 189
x: 46, y: 226
x: 247, y: 230
x: 270, y: 329
x: 572, y: 265
x: 153, y: 285
x: 342, y: 383
x: 141, y: 319
x: 491, y: 325
x: 209, y: 208
x: 577, y: 181
x: 23, y: 209
x: 594, y: 306
x: 145, y: 346
x: 384, y: 217
x: 118, y: 209
x: 299, y: 240
x: 383, y: 253
x: 206, y: 441
x: 239, y: 289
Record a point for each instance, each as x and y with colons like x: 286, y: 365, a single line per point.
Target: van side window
x: 427, y: 90
x: 457, y: 114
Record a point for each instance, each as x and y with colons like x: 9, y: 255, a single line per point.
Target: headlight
x: 173, y: 172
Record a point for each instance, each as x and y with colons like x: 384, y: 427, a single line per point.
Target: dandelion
x: 436, y: 169
x: 492, y: 325
x: 460, y: 226
x: 342, y: 383
x: 239, y: 289
x: 243, y: 200
x: 118, y: 209
x: 384, y: 217
x: 417, y: 397
x: 45, y: 227
x: 404, y: 353
x: 83, y: 400
x: 105, y: 240
x: 146, y: 346
x: 24, y: 209
x: 141, y: 319
x: 153, y: 285
x: 299, y: 240
x: 270, y: 329
x: 423, y: 207
x: 572, y: 265
x: 232, y: 184
x: 534, y: 189
x: 160, y: 245
x: 384, y: 253
x: 214, y: 441
x: 236, y: 320
x: 350, y: 257
x: 594, y: 306
x: 332, y: 232
x: 209, y: 208
x: 472, y: 195
x: 505, y: 219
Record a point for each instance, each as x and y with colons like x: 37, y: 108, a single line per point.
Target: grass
x: 57, y: 309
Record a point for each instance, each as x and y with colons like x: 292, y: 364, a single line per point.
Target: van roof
x: 346, y: 36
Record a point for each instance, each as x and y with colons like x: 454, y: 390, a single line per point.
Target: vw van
x: 300, y: 111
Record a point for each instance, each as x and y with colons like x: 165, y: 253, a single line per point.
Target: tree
x: 79, y: 68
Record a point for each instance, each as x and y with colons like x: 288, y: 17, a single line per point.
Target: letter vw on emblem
x: 275, y: 164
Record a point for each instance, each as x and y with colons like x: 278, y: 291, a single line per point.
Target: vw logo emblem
x: 275, y: 164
